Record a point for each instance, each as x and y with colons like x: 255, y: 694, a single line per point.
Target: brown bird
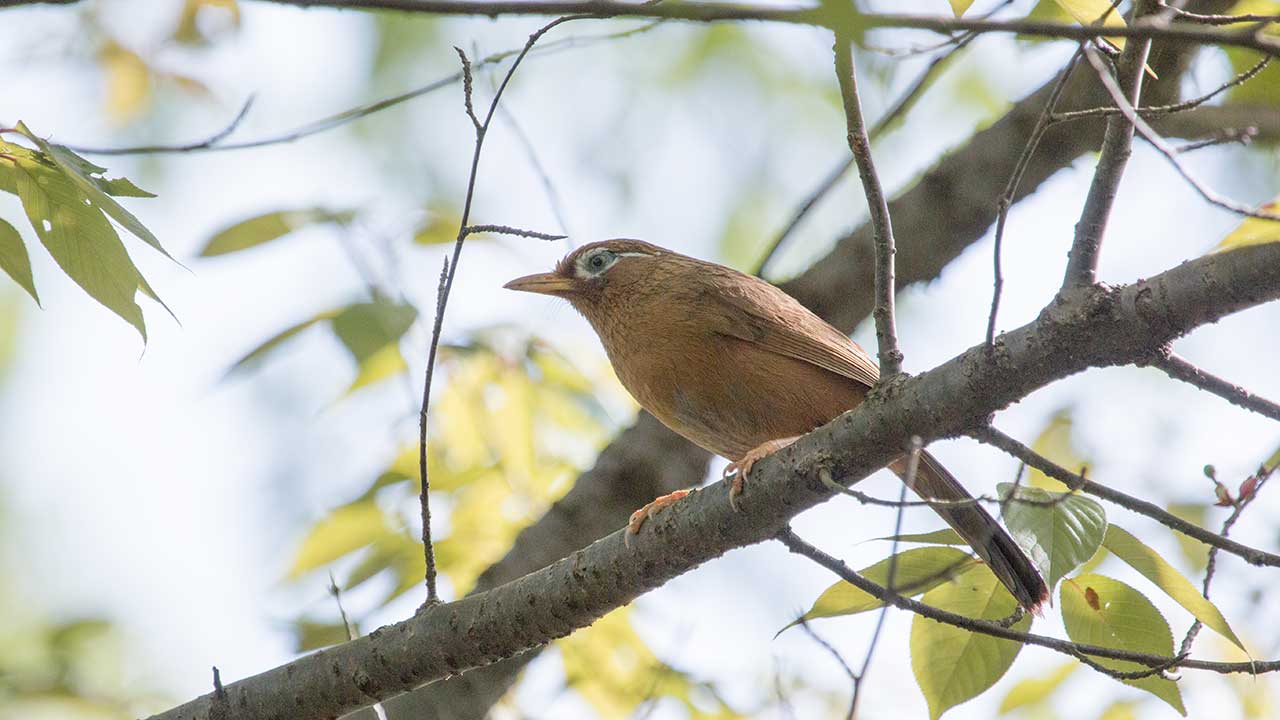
x: 742, y: 369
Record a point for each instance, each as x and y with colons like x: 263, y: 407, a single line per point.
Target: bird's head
x: 586, y: 276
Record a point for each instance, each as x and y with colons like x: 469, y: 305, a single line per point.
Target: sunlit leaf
x: 1055, y: 443
x: 1034, y: 691
x: 1150, y: 565
x: 80, y: 239
x: 309, y: 635
x: 198, y: 12
x: 952, y: 665
x: 1254, y: 231
x: 914, y: 571
x: 960, y: 6
x: 1090, y: 12
x: 344, y: 530
x: 1098, y: 610
x: 14, y: 259
x: 440, y: 226
x: 128, y: 82
x: 511, y: 425
x: 1120, y: 710
x: 1059, y: 531
x: 1195, y: 552
x: 382, y: 364
x: 266, y: 227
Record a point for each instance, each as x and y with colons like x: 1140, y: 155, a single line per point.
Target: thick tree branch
x: 1087, y: 327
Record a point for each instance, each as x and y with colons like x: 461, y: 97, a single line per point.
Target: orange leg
x: 741, y: 468
x: 638, y: 517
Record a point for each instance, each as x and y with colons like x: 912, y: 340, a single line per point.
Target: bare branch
x: 878, y: 207
x: 508, y: 230
x: 1117, y: 143
x: 1132, y: 119
x: 1178, y: 368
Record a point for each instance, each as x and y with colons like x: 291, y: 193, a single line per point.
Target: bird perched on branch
x: 742, y: 369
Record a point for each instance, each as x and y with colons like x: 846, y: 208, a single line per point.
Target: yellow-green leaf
x: 309, y: 635
x: 945, y: 536
x: 1195, y: 552
x: 367, y: 327
x: 1034, y: 691
x: 266, y: 227
x: 1090, y: 12
x: 914, y: 571
x: 1254, y: 231
x: 441, y: 226
x: 382, y: 364
x: 1098, y: 610
x: 256, y: 355
x: 345, y: 530
x: 1055, y: 442
x: 952, y: 665
x: 1150, y: 565
x: 80, y: 239
x: 14, y: 259
x: 960, y: 6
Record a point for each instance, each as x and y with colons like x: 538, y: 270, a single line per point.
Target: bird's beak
x: 542, y: 283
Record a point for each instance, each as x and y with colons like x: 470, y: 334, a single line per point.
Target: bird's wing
x: 755, y: 311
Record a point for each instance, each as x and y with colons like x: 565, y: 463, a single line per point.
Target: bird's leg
x: 742, y: 467
x: 638, y: 517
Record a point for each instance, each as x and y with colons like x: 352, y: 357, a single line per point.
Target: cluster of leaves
x: 1067, y: 536
x: 70, y: 205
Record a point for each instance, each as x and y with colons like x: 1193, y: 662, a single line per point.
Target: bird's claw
x: 638, y: 517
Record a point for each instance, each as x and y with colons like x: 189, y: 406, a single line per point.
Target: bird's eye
x: 599, y: 261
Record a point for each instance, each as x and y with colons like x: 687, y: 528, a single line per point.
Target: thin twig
x: 995, y: 438
x: 1176, y: 367
x: 1244, y: 136
x: 1117, y: 146
x: 1159, y: 110
x: 904, y: 103
x: 909, y: 481
x: 1211, y: 563
x: 508, y: 230
x: 1011, y: 190
x: 360, y: 111
x: 878, y: 207
x: 1132, y: 119
x: 1218, y: 19
x: 548, y: 187
x: 448, y: 273
x: 834, y: 653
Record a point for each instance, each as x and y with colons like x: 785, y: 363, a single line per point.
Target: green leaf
x: 1154, y: 568
x: 14, y: 259
x: 952, y: 665
x: 945, y: 536
x: 80, y: 239
x: 256, y: 355
x: 1059, y: 531
x: 345, y: 530
x: 1055, y: 442
x: 1098, y: 610
x: 264, y: 228
x: 367, y: 327
x: 1034, y: 691
x: 309, y: 635
x: 1089, y: 12
x: 960, y: 6
x: 382, y: 364
x: 914, y: 571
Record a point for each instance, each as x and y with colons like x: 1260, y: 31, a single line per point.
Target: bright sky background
x: 144, y: 487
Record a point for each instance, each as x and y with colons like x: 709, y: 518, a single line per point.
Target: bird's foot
x: 638, y: 517
x: 742, y: 467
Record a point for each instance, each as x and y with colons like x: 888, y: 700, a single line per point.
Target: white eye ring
x: 598, y: 261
